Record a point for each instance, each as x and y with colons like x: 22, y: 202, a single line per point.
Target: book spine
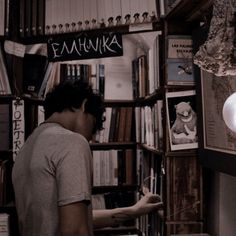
x: 34, y: 17
x: 22, y: 18
x: 28, y: 12
x: 41, y: 17
x: 2, y: 17
x: 7, y: 13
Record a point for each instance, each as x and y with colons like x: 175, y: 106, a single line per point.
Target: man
x: 52, y: 173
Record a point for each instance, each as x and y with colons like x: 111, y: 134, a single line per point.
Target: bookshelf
x: 140, y: 81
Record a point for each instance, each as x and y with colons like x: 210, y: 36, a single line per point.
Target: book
x: 40, y: 17
x: 4, y: 127
x: 142, y: 76
x: 22, y: 18
x: 129, y: 167
x: 118, y: 80
x: 98, y: 202
x: 113, y: 124
x: 107, y: 124
x: 48, y: 16
x: 126, y: 12
x: 2, y: 17
x: 34, y: 68
x: 34, y: 16
x: 128, y: 124
x: 180, y: 72
x: 28, y: 17
x: 182, y: 119
x: 4, y: 79
x: 122, y: 124
x: 101, y: 78
x: 45, y: 79
x: 4, y: 224
x: 7, y: 18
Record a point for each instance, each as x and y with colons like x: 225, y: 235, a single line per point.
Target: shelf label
x: 85, y: 46
x: 18, y: 126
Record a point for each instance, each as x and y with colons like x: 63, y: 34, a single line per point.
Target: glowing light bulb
x: 229, y: 112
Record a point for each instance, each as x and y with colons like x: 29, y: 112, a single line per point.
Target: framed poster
x: 215, y: 90
x: 182, y: 119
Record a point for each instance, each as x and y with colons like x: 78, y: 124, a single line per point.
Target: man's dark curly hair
x: 70, y: 94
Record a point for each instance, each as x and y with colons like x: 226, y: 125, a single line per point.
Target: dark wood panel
x: 184, y: 189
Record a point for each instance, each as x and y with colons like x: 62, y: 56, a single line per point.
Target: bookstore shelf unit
x: 156, y: 167
x: 185, y: 206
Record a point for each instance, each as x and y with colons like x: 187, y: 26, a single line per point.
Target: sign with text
x: 85, y: 46
x: 180, y: 46
x: 18, y: 127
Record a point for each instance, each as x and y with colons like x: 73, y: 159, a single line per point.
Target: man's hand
x: 147, y: 204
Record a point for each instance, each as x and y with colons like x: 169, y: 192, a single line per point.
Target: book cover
x: 182, y: 119
x: 180, y: 72
x: 34, y: 68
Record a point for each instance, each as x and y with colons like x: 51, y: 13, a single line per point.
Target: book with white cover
x: 2, y: 17
x: 118, y: 80
x: 4, y: 224
x: 4, y: 80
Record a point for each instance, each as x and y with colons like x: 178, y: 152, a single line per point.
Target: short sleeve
x: 74, y: 173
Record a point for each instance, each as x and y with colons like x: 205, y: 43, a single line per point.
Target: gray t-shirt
x: 54, y: 168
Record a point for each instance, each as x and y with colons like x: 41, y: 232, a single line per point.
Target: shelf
x: 111, y: 103
x: 116, y: 188
x: 176, y: 88
x: 188, y: 10
x: 123, y: 29
x: 114, y: 145
x: 181, y: 153
x: 151, y: 98
x: 117, y: 230
x: 6, y: 98
x: 151, y: 149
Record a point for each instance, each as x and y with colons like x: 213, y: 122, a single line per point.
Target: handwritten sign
x: 18, y: 126
x: 85, y: 46
x: 180, y: 47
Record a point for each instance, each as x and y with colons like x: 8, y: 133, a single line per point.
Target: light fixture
x: 229, y: 112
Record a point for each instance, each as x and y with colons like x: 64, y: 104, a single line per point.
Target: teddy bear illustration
x: 184, y: 129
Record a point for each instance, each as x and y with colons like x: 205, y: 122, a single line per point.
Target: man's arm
x: 114, y: 217
x: 74, y: 220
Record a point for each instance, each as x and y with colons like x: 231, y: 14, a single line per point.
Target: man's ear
x: 84, y: 104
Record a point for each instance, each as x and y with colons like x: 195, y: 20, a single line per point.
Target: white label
x: 14, y: 48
